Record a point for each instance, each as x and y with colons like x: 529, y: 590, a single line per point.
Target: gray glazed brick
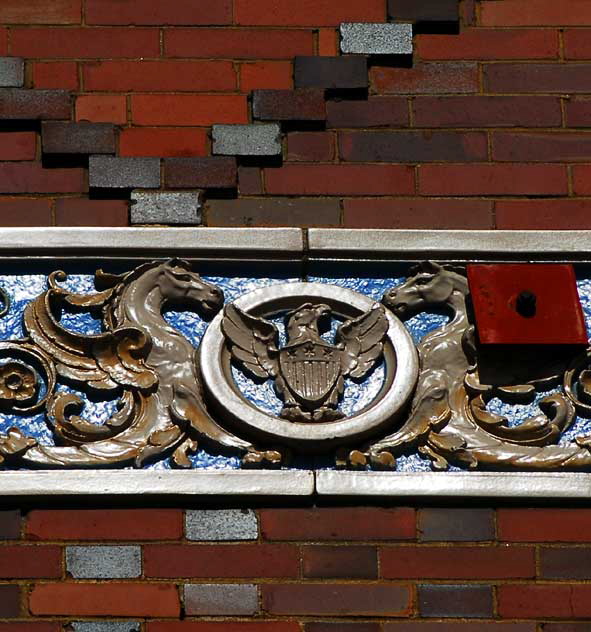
x: 103, y: 562
x: 112, y: 172
x: 105, y: 626
x: 247, y: 140
x: 165, y: 208
x: 12, y: 72
x: 221, y: 599
x: 376, y: 39
x: 221, y: 524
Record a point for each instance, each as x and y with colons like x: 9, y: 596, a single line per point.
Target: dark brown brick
x: 9, y: 601
x: 29, y: 626
x: 578, y: 112
x: 457, y: 600
x: 563, y: 563
x: 375, y: 112
x: 427, y: 78
x: 552, y: 147
x: 420, y: 626
x: 35, y: 104
x: 85, y: 212
x: 311, y: 146
x: 249, y: 181
x: 424, y: 10
x: 78, y: 138
x: 19, y: 211
x: 341, y: 627
x: 456, y: 525
x: 519, y: 78
x: 216, y: 172
x: 10, y: 520
x: 359, y: 562
x: 17, y: 561
x: 331, y: 72
x: 32, y: 177
x: 413, y: 146
x: 563, y: 627
x: 289, y: 105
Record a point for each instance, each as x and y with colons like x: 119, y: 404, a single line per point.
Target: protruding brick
x: 163, y: 141
x: 35, y: 104
x: 441, y: 600
x: 105, y: 626
x: 289, y: 105
x: 277, y: 75
x: 424, y: 11
x: 165, y: 208
x: 85, y: 212
x: 18, y: 145
x: 9, y: 601
x: 456, y: 525
x: 78, y: 138
x: 221, y: 524
x: 376, y: 39
x: 31, y: 177
x: 20, y: 211
x: 55, y: 75
x: 565, y: 563
x: 102, y: 108
x: 330, y: 72
x: 19, y: 561
x: 543, y: 214
x: 354, y: 562
x: 40, y: 12
x: 10, y: 519
x: 375, y: 112
x: 311, y: 146
x: 221, y: 599
x: 427, y: 78
x: 212, y: 172
x: 103, y: 562
x: 12, y: 72
x: 188, y: 109
x: 158, y: 12
x: 246, y: 140
x: 114, y: 172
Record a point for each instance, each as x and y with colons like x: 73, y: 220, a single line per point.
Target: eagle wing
x: 253, y: 342
x: 361, y: 340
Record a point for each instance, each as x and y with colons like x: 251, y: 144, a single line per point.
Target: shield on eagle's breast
x: 310, y: 370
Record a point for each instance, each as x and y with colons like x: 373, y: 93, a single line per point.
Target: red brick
x: 18, y: 145
x: 3, y: 41
x: 568, y: 601
x: 554, y: 147
x: 544, y: 525
x: 240, y: 560
x: 98, y: 524
x: 559, y: 78
x: 484, y: 111
x: 543, y: 214
x: 492, y: 180
x: 217, y: 172
x: 85, y: 212
x: 308, y: 12
x: 222, y: 626
x: 101, y: 108
x: 582, y: 179
x: 249, y: 181
x: 33, y: 178
x: 145, y: 141
x: 357, y: 523
x: 490, y: 44
x: 457, y: 562
x: 327, y: 43
x: 342, y: 627
x: 40, y: 12
x: 426, y: 78
x: 30, y: 626
x: 238, y: 43
x: 184, y: 109
x: 354, y: 562
x: 112, y: 599
x: 55, y: 75
x: 158, y: 12
x: 535, y: 13
x: 85, y: 43
x: 30, y: 561
x: 417, y: 213
x: 310, y: 146
x: 25, y: 212
x: 337, y: 599
x: 273, y: 75
x: 577, y: 44
x: 375, y: 112
x: 35, y: 104
x: 578, y: 112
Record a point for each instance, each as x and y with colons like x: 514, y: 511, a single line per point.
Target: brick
x: 276, y: 75
x: 10, y: 519
x: 103, y: 562
x: 158, y: 12
x: 568, y: 601
x: 159, y: 141
x: 24, y: 212
x: 12, y: 72
x: 85, y: 212
x: 100, y: 524
x: 185, y: 109
x: 361, y: 523
x: 221, y: 599
x: 375, y: 112
x: 9, y: 601
x: 249, y: 181
x: 115, y: 172
x: 55, y: 75
x: 484, y: 111
x: 216, y: 525
x: 355, y: 562
x: 577, y: 44
x: 501, y: 626
x: 30, y: 626
x: 456, y: 525
x: 29, y: 561
x: 566, y: 627
x: 165, y: 208
x: 457, y: 562
x: 85, y: 43
x: 440, y: 600
x: 535, y: 13
x: 246, y: 140
x: 216, y: 172
x: 376, y: 39
x: 271, y: 211
x: 581, y: 179
x: 31, y: 177
x: 35, y: 104
x: 4, y: 41
x: 544, y: 525
x: 327, y: 43
x: 565, y: 563
x: 558, y: 78
x: 310, y: 146
x: 105, y: 626
x: 553, y: 147
x: 417, y: 213
x: 111, y: 599
x: 18, y: 145
x: 101, y: 108
x: 330, y: 72
x: 40, y: 12
x: 336, y: 599
x: 238, y: 43
x: 342, y: 627
x: 490, y: 44
x: 426, y: 78
x: 286, y: 105
x: 160, y: 76
x: 307, y: 12
x: 424, y: 11
x: 223, y: 626
x: 77, y: 138
x: 426, y: 146
x: 578, y: 112
x: 511, y: 179
x: 543, y: 214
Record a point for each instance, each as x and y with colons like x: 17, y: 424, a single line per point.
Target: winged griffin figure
x: 308, y: 372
